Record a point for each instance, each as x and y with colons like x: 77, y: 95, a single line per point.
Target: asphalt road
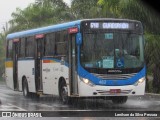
x: 82, y: 109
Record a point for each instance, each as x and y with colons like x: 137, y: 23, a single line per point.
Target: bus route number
x: 94, y: 25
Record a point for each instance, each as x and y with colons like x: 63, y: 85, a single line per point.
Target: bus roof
x: 41, y: 30
x: 57, y: 27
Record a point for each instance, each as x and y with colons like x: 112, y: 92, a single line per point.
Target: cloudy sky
x: 9, y: 6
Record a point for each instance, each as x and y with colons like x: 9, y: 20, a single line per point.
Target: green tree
x: 41, y: 13
x: 85, y: 9
x: 139, y: 10
x: 2, y: 54
x: 110, y: 8
x: 132, y: 9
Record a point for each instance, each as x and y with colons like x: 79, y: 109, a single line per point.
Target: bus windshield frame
x: 108, y: 50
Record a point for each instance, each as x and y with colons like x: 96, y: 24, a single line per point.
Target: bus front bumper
x: 86, y: 90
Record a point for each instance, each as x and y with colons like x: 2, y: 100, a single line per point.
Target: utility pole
x: 4, y: 27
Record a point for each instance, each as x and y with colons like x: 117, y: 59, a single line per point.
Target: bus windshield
x: 112, y: 50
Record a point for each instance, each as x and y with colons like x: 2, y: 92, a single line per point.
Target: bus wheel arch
x: 63, y: 91
x: 25, y: 89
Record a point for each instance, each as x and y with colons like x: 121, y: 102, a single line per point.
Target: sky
x: 7, y: 7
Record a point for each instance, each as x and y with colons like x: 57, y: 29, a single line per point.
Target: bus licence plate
x: 114, y: 91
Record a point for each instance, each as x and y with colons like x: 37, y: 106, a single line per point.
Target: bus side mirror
x: 79, y: 39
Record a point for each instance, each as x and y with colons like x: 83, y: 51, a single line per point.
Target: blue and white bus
x: 90, y: 58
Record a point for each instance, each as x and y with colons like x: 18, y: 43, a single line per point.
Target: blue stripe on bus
x: 84, y: 74
x: 27, y: 59
x: 57, y: 60
x: 21, y: 59
x: 8, y: 59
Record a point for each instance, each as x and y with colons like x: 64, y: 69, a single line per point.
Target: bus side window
x: 9, y: 49
x: 29, y: 47
x: 61, y: 43
x: 50, y: 44
x: 61, y: 48
x: 22, y: 48
x: 41, y: 47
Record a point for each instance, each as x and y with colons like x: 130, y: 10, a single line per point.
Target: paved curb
x: 152, y: 94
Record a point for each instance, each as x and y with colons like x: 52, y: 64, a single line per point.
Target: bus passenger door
x: 38, y: 62
x: 73, y: 65
x: 15, y: 65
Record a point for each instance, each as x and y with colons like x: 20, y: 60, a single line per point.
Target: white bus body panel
x: 9, y: 77
x: 51, y: 73
x: 26, y: 68
x: 87, y: 91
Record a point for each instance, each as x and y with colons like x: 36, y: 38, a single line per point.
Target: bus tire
x: 65, y: 99
x: 25, y: 88
x: 119, y: 99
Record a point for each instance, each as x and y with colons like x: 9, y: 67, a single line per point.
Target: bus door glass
x: 73, y: 64
x: 15, y: 65
x: 39, y: 49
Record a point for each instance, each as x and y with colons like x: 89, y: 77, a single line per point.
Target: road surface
x: 51, y: 106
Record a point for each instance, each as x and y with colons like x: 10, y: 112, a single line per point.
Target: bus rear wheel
x: 119, y: 99
x: 64, y: 93
x: 25, y: 89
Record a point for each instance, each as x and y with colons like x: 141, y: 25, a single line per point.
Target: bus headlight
x: 140, y: 81
x: 87, y: 81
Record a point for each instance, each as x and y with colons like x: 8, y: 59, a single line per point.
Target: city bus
x: 88, y: 58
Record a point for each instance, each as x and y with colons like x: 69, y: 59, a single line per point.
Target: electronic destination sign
x: 109, y: 25
x: 112, y: 25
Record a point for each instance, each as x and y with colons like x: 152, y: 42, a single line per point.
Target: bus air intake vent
x: 114, y: 76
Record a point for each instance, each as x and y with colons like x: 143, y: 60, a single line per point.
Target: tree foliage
x: 85, y: 9
x: 41, y: 13
x: 2, y: 54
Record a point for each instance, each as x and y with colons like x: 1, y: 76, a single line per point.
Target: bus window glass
x: 61, y: 48
x: 9, y: 54
x: 22, y: 48
x: 57, y: 36
x: 112, y: 50
x: 61, y: 43
x: 29, y: 47
x: 50, y: 44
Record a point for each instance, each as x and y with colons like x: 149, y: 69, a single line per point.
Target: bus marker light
x: 39, y: 36
x: 15, y: 40
x: 72, y: 30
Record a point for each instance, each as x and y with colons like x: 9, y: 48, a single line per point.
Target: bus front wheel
x: 119, y: 99
x: 25, y: 89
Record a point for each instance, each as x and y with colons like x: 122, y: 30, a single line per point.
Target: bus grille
x: 114, y: 76
x: 104, y: 92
